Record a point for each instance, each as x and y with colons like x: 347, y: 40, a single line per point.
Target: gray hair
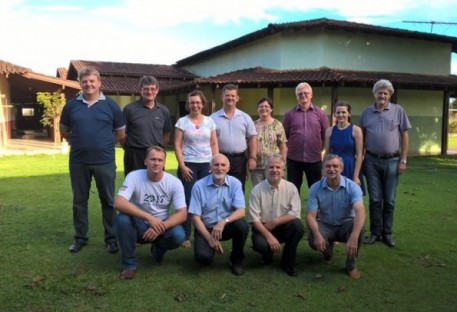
x: 222, y: 156
x: 303, y: 85
x: 329, y: 157
x: 86, y: 71
x: 274, y: 157
x: 383, y: 84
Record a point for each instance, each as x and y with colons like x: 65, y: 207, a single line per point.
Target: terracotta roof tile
x: 62, y: 72
x: 323, y: 24
x: 123, y: 78
x: 130, y: 70
x: 122, y: 85
x: 8, y: 68
x: 259, y: 76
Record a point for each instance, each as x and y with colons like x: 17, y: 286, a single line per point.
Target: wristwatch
x: 403, y: 161
x: 226, y: 220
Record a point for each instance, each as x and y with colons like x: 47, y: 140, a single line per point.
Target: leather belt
x: 383, y: 156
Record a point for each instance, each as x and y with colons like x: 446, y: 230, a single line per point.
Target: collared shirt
x: 233, y: 133
x: 145, y: 126
x: 305, y: 133
x: 214, y: 202
x: 267, y: 202
x: 334, y: 207
x: 382, y: 129
x: 91, y: 129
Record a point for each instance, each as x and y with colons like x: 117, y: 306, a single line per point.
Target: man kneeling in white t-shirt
x: 144, y: 202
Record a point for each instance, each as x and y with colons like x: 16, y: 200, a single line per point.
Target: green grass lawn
x: 39, y: 274
x: 452, y: 141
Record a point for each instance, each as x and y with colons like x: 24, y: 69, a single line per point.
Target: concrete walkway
x: 32, y: 147
x: 37, y: 144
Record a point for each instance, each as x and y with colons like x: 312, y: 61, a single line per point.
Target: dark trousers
x: 199, y: 170
x: 337, y: 233
x: 313, y: 172
x: 237, y: 231
x: 134, y: 159
x: 289, y: 233
x: 81, y: 178
x: 238, y: 167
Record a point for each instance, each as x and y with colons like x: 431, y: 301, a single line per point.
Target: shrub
x: 453, y: 126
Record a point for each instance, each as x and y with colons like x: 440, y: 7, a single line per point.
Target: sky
x: 44, y: 35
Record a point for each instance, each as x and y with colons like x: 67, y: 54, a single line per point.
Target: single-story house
x: 340, y: 59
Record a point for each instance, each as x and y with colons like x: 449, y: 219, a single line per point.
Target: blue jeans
x: 81, y: 178
x: 199, y: 170
x: 130, y: 231
x: 382, y: 179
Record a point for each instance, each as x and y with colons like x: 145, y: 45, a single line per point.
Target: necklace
x: 197, y: 121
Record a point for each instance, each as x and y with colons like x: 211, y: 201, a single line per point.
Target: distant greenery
x: 453, y: 127
x: 452, y: 141
x: 39, y: 274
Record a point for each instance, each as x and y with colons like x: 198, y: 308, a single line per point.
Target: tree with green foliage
x: 52, y: 103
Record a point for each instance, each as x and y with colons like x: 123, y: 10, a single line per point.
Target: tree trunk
x: 55, y: 127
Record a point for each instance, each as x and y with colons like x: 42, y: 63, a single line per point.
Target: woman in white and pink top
x: 195, y: 145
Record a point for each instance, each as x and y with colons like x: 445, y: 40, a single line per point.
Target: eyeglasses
x: 146, y: 89
x: 304, y: 93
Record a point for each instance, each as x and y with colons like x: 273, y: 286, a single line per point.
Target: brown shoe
x: 128, y: 274
x: 354, y: 274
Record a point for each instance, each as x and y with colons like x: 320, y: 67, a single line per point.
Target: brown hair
x: 265, y: 99
x: 196, y: 93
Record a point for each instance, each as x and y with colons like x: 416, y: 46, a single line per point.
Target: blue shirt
x: 92, y: 129
x: 233, y: 133
x: 216, y: 202
x: 334, y: 207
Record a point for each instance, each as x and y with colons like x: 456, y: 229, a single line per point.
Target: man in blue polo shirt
x: 92, y: 123
x: 336, y: 214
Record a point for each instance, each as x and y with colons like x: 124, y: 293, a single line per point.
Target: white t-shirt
x: 153, y: 197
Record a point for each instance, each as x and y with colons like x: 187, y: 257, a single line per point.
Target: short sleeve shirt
x: 196, y: 141
x: 267, y: 202
x: 334, y: 207
x: 382, y: 129
x: 232, y: 134
x: 269, y: 137
x: 91, y: 129
x: 216, y: 202
x: 153, y: 197
x: 305, y: 133
x: 145, y: 127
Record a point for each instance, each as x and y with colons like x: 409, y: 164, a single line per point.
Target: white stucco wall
x: 341, y: 50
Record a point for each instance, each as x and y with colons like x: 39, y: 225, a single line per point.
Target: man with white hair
x: 385, y: 130
x: 217, y: 206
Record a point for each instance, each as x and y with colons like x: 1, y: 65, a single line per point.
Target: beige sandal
x: 186, y: 244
